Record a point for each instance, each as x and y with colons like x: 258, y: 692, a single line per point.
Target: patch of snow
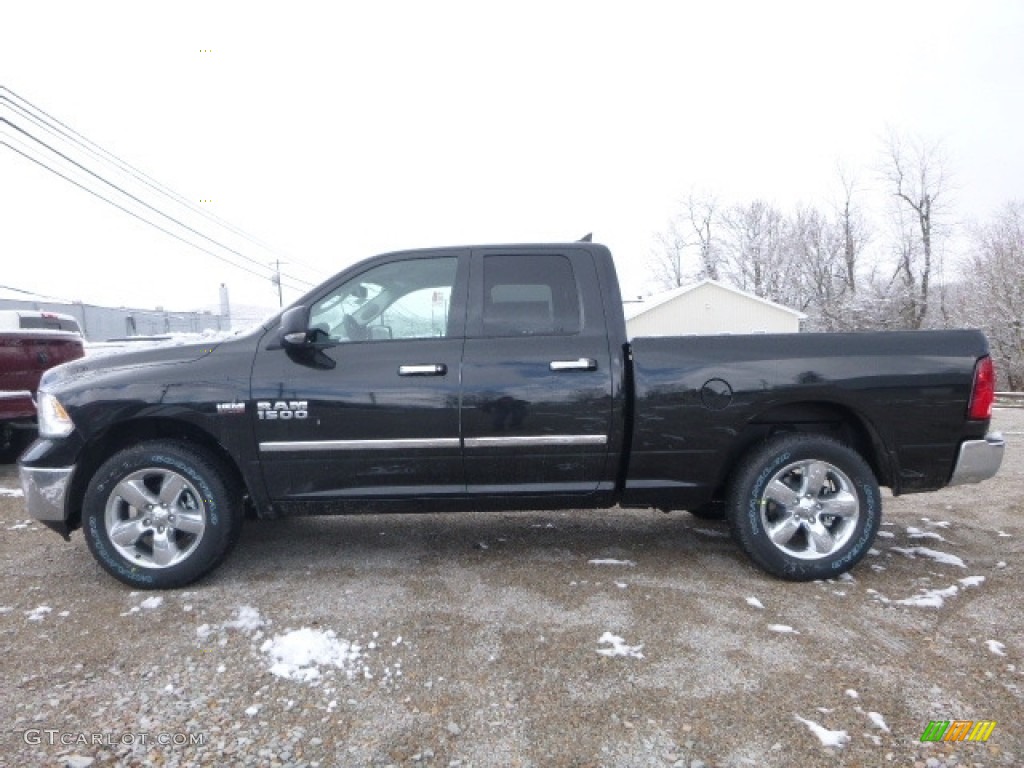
x: 996, y: 647
x: 247, y: 619
x: 784, y: 629
x: 253, y: 710
x: 38, y: 613
x: 621, y: 584
x: 299, y: 654
x: 1004, y: 534
x: 618, y: 647
x: 972, y: 581
x: 938, y: 523
x: 852, y: 693
x: 12, y: 492
x: 825, y: 736
x: 878, y: 721
x: 753, y: 601
x: 886, y: 534
x: 151, y: 603
x: 917, y: 533
x: 20, y: 526
x: 940, y: 557
x: 1001, y: 564
x: 929, y: 598
x: 610, y: 561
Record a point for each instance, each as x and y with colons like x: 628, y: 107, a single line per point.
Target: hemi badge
x: 230, y: 407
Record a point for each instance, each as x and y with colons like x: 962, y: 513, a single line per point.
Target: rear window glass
x: 533, y: 295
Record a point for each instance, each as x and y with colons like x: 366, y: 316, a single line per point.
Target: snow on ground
x: 852, y: 693
x: 917, y: 533
x: 38, y: 613
x: 248, y: 619
x: 754, y: 602
x: 996, y: 647
x: 618, y: 647
x: 878, y: 721
x: 149, y: 604
x: 972, y: 581
x: 825, y: 736
x: 610, y: 561
x: 783, y: 629
x: 298, y: 654
x: 12, y: 492
x: 939, y: 557
x: 23, y: 525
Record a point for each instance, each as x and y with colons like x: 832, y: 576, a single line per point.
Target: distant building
x: 709, y: 307
x: 104, y: 323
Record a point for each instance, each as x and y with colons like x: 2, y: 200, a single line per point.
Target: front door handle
x: 435, y: 369
x: 582, y: 364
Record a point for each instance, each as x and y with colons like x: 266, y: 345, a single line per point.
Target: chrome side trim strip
x: 535, y: 440
x: 359, y: 445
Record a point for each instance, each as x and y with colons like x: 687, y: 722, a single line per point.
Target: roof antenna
x: 587, y: 238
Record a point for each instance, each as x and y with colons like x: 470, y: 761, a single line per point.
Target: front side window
x: 398, y: 300
x: 530, y: 295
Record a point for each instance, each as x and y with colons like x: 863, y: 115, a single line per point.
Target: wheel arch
x: 821, y: 417
x: 129, y: 433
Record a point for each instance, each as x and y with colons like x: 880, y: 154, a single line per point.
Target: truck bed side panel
x: 700, y: 400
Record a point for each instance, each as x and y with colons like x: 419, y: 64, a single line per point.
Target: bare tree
x: 916, y: 173
x: 755, y: 257
x: 993, y: 291
x: 687, y: 250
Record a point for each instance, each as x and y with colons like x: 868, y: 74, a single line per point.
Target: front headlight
x: 53, y: 419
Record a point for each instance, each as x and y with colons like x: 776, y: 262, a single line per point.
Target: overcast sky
x: 334, y: 131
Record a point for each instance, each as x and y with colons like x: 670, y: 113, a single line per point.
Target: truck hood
x: 166, y: 353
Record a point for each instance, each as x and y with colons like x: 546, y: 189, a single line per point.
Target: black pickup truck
x: 501, y: 377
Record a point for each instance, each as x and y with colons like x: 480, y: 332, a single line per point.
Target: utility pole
x: 276, y: 279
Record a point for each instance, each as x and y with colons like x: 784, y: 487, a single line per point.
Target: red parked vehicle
x: 30, y: 342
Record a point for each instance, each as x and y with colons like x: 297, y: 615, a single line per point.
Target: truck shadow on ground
x: 387, y: 542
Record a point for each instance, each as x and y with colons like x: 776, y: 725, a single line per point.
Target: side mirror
x: 294, y: 327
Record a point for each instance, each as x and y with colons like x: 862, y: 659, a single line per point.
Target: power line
x: 138, y: 200
x: 90, y: 146
x: 135, y: 215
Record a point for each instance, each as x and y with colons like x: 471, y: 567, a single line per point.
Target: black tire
x: 804, y: 507
x: 161, y: 514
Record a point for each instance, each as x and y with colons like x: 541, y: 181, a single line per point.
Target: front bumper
x: 978, y: 459
x: 46, y: 493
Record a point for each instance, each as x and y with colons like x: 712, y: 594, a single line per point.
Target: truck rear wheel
x: 160, y: 515
x: 804, y: 507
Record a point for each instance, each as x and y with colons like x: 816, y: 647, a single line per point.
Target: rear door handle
x: 435, y: 369
x: 582, y: 364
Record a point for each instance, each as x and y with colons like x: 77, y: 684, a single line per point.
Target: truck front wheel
x: 160, y: 515
x: 804, y: 507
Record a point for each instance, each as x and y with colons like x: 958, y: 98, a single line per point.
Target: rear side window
x: 530, y: 295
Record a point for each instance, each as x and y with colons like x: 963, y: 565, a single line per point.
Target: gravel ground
x: 476, y: 640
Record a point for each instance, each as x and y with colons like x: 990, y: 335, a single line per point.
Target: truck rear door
x: 536, y: 374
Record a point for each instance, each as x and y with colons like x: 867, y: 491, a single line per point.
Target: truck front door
x: 373, y: 411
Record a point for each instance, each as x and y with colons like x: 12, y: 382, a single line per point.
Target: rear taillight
x: 983, y: 393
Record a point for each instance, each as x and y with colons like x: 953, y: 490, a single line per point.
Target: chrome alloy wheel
x: 155, y: 518
x: 809, y: 509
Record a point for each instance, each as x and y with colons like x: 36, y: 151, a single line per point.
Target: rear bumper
x: 978, y: 459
